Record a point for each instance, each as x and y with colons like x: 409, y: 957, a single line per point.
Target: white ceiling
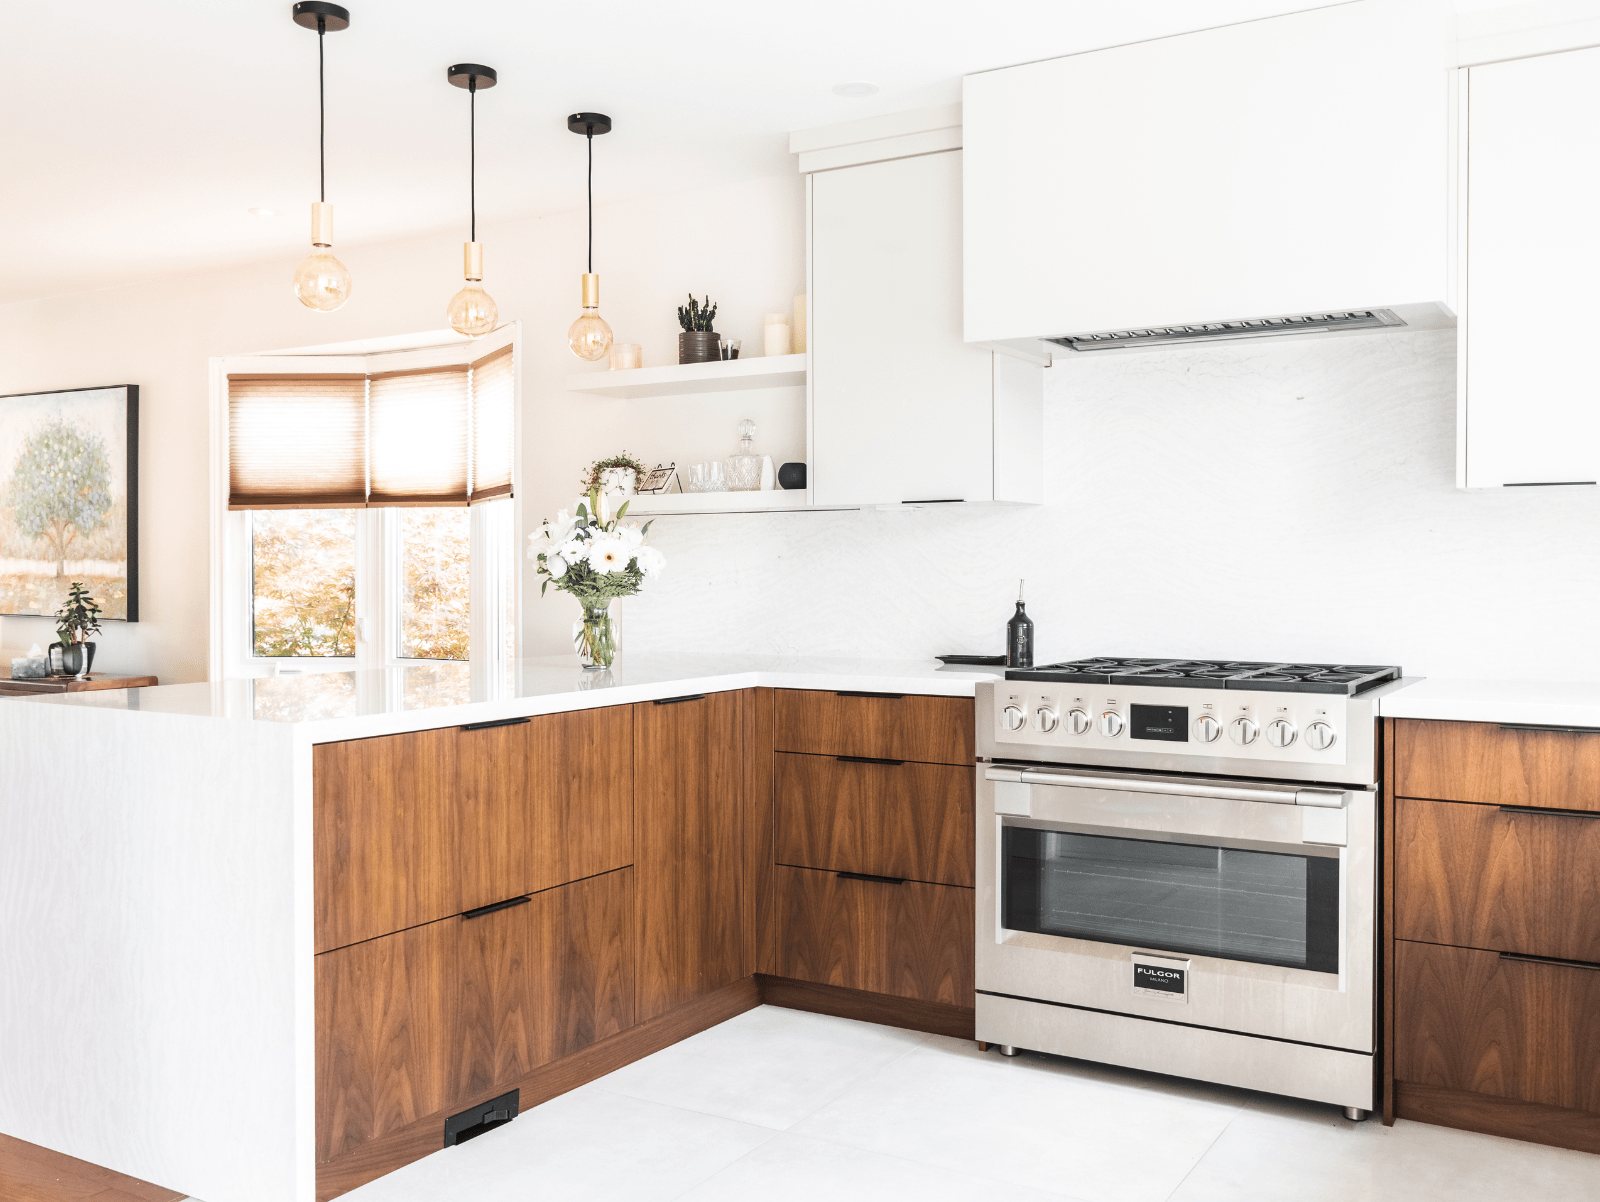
x: 137, y: 136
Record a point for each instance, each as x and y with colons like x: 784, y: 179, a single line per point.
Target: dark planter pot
x: 699, y: 346
x: 75, y: 658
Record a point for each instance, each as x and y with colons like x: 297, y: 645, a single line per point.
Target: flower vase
x: 596, y: 636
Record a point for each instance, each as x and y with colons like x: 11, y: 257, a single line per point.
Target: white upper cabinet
x: 902, y: 410
x: 1528, y: 381
x: 1294, y: 165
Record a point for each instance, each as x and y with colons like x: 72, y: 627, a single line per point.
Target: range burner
x: 1346, y: 679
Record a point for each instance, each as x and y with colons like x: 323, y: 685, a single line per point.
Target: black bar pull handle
x: 867, y: 876
x: 860, y: 693
x: 492, y: 725
x: 675, y: 700
x: 1559, y: 730
x: 867, y: 759
x: 1521, y: 959
x: 1546, y: 811
x: 496, y: 907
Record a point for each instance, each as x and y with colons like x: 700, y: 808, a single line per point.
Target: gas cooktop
x: 1345, y: 679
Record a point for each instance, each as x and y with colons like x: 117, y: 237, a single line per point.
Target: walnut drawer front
x: 1502, y: 879
x: 1498, y: 765
x: 1485, y: 1023
x: 933, y: 730
x: 880, y: 817
x: 910, y: 939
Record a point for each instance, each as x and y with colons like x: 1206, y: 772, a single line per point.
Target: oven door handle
x: 1172, y: 786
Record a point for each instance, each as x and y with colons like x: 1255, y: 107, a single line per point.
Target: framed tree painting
x: 69, y: 499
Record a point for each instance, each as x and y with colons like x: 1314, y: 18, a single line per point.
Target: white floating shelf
x: 685, y: 379
x: 765, y: 501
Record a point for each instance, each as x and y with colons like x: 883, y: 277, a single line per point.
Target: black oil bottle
x: 1019, y: 635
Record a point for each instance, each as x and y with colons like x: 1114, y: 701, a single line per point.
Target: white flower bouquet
x: 597, y: 557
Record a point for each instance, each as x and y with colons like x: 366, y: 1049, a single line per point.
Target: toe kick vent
x: 470, y: 1124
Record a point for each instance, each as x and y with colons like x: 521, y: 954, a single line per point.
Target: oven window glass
x: 1264, y: 907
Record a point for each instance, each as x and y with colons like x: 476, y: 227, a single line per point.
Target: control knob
x: 1281, y: 732
x: 1047, y: 718
x: 1111, y: 723
x: 1243, y: 731
x: 1078, y: 722
x: 1207, y: 729
x: 1320, y: 736
x: 1013, y: 717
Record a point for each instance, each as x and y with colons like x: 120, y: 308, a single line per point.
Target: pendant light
x: 472, y: 311
x: 590, y: 337
x: 321, y: 281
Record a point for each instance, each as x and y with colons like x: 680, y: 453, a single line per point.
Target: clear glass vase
x: 597, y: 635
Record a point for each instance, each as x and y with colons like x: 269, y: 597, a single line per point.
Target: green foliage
x: 60, y: 486
x: 79, y: 615
x: 591, y: 481
x: 698, y: 315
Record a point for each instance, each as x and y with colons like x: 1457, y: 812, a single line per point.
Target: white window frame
x: 378, y: 547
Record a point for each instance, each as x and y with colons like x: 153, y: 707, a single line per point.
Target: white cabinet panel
x: 1530, y: 379
x: 1291, y: 165
x: 903, y: 410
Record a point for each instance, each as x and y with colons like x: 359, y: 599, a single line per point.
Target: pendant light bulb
x: 321, y: 282
x: 472, y: 311
x: 590, y: 336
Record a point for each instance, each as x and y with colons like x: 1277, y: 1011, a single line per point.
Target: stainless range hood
x: 1227, y: 331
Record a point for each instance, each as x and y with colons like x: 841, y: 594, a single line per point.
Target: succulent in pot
x: 698, y: 341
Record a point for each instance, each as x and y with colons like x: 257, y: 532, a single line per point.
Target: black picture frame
x: 657, y: 480
x: 131, y: 414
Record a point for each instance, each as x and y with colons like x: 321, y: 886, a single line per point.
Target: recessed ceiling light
x: 855, y: 91
x: 261, y: 212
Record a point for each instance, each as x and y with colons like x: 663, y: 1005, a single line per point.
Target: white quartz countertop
x: 1530, y: 702
x: 360, y: 704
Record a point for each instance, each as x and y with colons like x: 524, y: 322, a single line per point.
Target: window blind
x: 493, y: 425
x: 297, y: 442
x: 418, y: 428
x: 434, y: 436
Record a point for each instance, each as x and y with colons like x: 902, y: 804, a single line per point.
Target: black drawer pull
x: 867, y: 876
x: 496, y: 906
x: 1521, y: 959
x: 1538, y: 810
x: 500, y: 722
x: 859, y: 693
x: 1560, y: 730
x: 867, y: 759
x: 675, y: 700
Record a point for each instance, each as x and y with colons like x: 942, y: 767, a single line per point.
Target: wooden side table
x: 71, y: 684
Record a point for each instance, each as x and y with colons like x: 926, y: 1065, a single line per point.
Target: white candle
x: 776, y: 334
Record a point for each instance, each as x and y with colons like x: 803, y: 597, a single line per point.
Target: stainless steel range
x: 1177, y: 869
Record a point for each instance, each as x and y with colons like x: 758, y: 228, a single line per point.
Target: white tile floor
x: 778, y: 1104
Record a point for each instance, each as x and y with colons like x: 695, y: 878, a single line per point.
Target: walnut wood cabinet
x: 1491, y: 944
x: 530, y: 904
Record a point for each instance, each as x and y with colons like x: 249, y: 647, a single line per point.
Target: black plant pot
x: 76, y: 658
x: 699, y: 346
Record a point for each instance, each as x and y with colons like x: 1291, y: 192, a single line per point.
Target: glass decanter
x: 742, y: 469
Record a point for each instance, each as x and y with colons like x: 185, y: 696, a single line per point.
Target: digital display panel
x: 1167, y: 722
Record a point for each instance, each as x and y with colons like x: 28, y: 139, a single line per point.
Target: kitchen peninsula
x: 269, y: 935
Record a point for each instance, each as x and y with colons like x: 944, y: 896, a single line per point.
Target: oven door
x: 1239, y: 905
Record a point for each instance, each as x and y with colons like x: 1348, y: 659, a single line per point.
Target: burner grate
x: 1348, y: 679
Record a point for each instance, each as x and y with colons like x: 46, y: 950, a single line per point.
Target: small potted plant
x: 76, y: 620
x: 698, y: 342
x: 617, y: 477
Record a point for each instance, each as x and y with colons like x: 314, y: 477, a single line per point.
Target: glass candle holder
x: 625, y: 356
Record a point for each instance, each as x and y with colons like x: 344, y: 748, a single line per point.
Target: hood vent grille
x: 1222, y: 331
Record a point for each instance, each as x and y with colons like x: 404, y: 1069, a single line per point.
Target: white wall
x: 1251, y: 500
x: 1248, y: 500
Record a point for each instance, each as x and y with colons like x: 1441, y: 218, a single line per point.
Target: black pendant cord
x: 591, y: 200
x: 322, y: 116
x: 472, y: 104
